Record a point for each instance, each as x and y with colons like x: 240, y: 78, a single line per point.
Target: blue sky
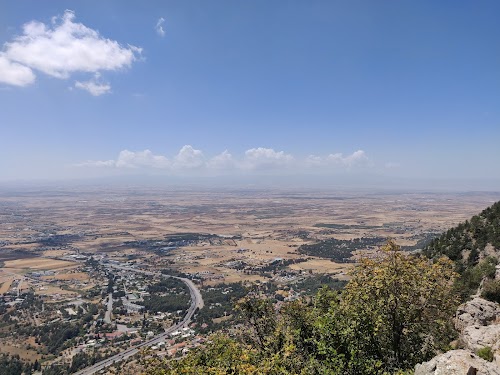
x: 391, y: 89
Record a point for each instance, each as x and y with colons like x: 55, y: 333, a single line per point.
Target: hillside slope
x: 470, y: 241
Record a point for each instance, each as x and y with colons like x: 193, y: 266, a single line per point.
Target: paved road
x: 107, y: 315
x: 196, y: 302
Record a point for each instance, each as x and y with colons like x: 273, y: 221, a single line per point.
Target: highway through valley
x: 196, y: 303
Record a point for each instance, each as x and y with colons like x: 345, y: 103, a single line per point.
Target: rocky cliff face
x: 477, y: 311
x: 478, y: 322
x: 457, y: 362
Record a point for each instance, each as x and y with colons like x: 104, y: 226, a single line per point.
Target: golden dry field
x: 37, y: 264
x: 260, y: 226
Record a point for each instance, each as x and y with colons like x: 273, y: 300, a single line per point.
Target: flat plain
x: 40, y: 227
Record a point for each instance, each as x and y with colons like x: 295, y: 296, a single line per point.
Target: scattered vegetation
x: 486, y: 353
x: 395, y: 312
x: 471, y: 277
x: 340, y: 251
x: 345, y: 226
x: 168, y: 295
x: 491, y: 290
x: 219, y: 302
x: 311, y: 285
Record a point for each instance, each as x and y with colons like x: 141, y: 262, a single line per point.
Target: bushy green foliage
x: 168, y: 285
x: 395, y: 312
x: 221, y: 356
x: 168, y: 295
x: 491, y: 290
x: 486, y: 353
x: 168, y: 303
x: 56, y: 335
x: 471, y: 277
x: 82, y: 360
x: 13, y: 365
x: 311, y: 285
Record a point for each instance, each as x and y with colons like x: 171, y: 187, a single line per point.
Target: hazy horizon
x: 278, y: 183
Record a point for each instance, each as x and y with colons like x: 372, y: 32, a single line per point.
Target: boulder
x: 457, y: 362
x: 478, y: 311
x: 477, y: 337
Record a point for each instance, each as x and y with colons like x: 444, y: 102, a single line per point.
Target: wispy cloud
x: 254, y: 160
x: 159, y: 27
x: 61, y: 48
x: 356, y: 159
x: 94, y: 86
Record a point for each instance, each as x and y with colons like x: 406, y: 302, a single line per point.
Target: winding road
x: 196, y: 303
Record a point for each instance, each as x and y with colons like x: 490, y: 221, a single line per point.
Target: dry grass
x: 38, y: 264
x: 266, y: 221
x: 20, y: 350
x: 322, y: 266
x: 5, y: 286
x: 67, y: 276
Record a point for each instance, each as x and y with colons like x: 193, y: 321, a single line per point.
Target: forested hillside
x: 470, y: 241
x: 474, y: 246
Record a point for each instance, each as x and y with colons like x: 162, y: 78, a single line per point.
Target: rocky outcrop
x: 477, y: 312
x: 476, y: 321
x: 477, y: 337
x: 457, y: 362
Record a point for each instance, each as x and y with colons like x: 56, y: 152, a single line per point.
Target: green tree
x: 398, y: 308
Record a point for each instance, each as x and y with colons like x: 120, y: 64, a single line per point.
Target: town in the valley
x: 95, y: 281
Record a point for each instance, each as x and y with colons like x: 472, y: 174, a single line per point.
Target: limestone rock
x: 457, y: 362
x: 478, y: 311
x: 477, y: 337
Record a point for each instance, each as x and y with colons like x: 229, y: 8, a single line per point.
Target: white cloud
x: 356, y: 159
x: 141, y: 159
x: 313, y: 161
x: 159, y: 27
x: 15, y: 74
x: 94, y: 86
x: 68, y: 47
x: 98, y: 163
x: 189, y: 159
x: 266, y: 158
x: 61, y: 48
x: 222, y: 161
